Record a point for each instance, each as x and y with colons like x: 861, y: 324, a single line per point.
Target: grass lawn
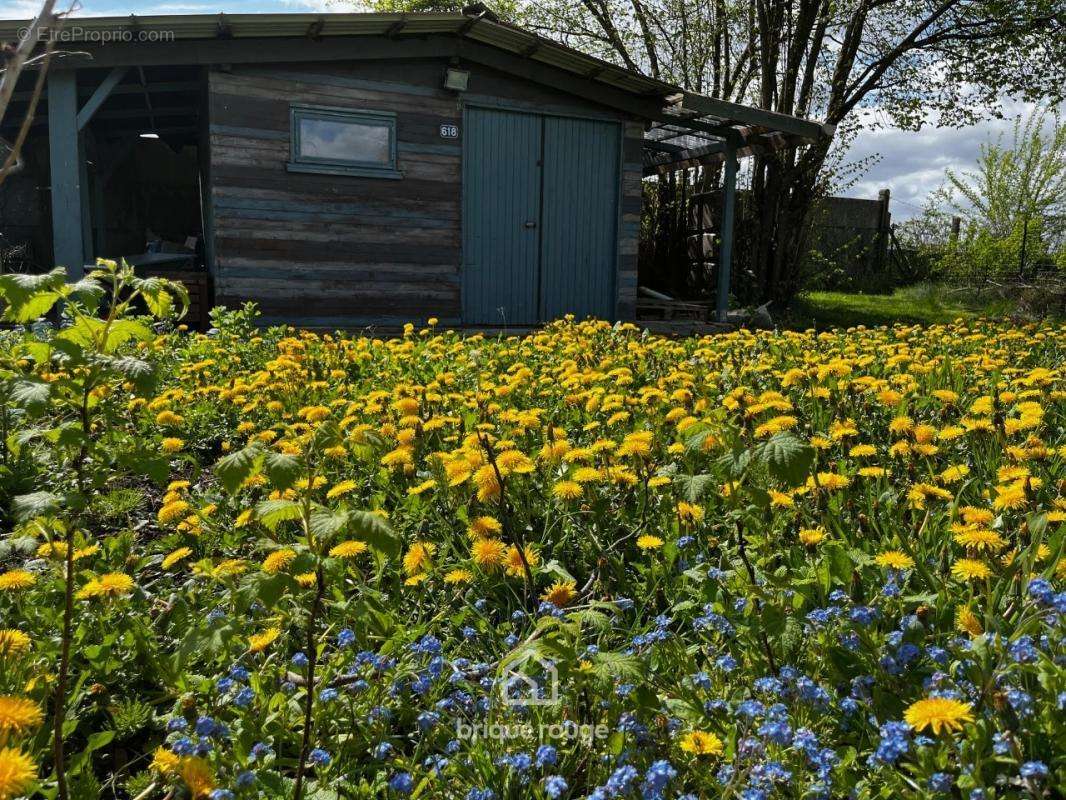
x: 913, y: 304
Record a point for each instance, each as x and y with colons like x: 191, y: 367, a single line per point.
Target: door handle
x: 530, y: 223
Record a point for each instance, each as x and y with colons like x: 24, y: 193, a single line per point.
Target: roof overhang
x: 685, y: 128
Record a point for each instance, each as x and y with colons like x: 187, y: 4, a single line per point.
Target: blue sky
x: 910, y: 164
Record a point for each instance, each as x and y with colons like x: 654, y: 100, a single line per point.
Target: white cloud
x: 912, y: 163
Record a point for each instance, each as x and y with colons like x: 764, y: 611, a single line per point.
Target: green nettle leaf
x: 27, y: 297
x: 87, y: 291
x: 274, y: 512
x: 609, y: 664
x: 694, y: 443
x: 235, y: 468
x: 159, y: 295
x: 86, y: 330
x: 32, y: 395
x: 375, y: 531
x: 693, y: 487
x: 325, y: 523
x: 281, y: 469
x: 787, y: 458
x: 156, y: 297
x: 36, y: 504
x: 138, y: 371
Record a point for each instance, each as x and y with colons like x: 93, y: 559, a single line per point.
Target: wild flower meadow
x: 583, y: 563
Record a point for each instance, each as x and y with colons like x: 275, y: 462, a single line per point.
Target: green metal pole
x: 725, y: 249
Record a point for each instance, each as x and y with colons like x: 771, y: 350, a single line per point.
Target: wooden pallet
x: 649, y: 309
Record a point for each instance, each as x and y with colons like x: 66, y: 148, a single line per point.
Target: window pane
x: 344, y: 140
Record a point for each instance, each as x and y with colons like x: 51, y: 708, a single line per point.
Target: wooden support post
x: 725, y: 250
x: 64, y: 153
x: 99, y: 96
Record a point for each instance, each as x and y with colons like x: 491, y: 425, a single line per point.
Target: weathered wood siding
x: 344, y: 250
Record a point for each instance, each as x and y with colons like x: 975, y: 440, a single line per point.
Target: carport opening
x: 145, y: 162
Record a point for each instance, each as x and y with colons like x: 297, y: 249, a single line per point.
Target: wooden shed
x: 366, y: 169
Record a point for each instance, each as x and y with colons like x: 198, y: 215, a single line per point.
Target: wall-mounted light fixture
x: 148, y: 135
x: 456, y: 79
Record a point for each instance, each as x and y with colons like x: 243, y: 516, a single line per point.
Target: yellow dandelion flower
x: 165, y: 762
x: 113, y: 584
x: 1010, y: 497
x: 13, y: 642
x: 811, y: 537
x: 980, y: 540
x: 197, y: 776
x: 976, y: 516
x: 832, y: 481
x: 313, y: 413
x: 513, y: 561
x: 567, y: 490
x: 173, y: 511
x: 258, y: 642
x: 587, y: 475
x: 483, y: 527
x: 417, y: 558
x: 894, y: 559
x: 341, y: 489
x: 702, y: 743
x: 278, y: 561
x: 17, y: 773
x: 938, y: 713
x: 649, y: 542
x: 56, y: 550
x: 487, y: 482
x: 967, y: 622
x: 169, y: 419
x: 16, y: 580
x: 307, y: 579
x: 969, y: 569
x: 230, y: 567
x: 560, y: 594
x: 172, y: 444
x: 18, y: 716
x: 488, y: 553
x: 690, y: 514
x: 175, y: 556
x: 348, y: 549
x: 458, y: 576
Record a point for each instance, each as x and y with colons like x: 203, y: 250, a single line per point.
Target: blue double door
x: 540, y: 217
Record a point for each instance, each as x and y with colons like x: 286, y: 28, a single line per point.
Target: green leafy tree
x: 1020, y: 185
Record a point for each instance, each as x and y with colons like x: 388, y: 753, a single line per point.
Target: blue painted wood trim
x: 103, y: 91
x: 67, y: 244
x: 473, y: 100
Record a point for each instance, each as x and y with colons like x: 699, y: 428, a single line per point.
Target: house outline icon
x: 518, y: 688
